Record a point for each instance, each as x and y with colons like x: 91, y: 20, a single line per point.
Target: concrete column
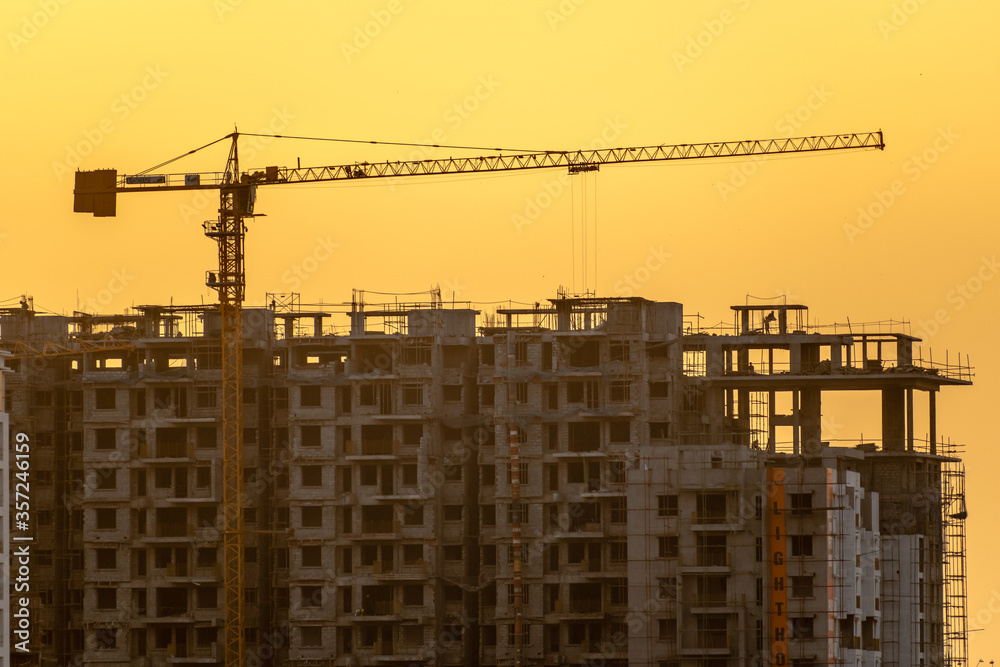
x: 893, y: 419
x: 714, y: 358
x: 715, y: 408
x: 770, y: 421
x: 932, y: 419
x: 909, y: 420
x: 836, y: 359
x: 795, y: 421
x: 810, y: 420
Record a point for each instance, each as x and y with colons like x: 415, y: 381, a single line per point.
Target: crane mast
x: 95, y: 192
x: 235, y: 203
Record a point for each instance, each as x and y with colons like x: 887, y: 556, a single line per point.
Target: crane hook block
x: 95, y: 192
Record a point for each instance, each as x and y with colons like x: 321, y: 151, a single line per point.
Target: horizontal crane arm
x: 104, y: 184
x: 588, y: 160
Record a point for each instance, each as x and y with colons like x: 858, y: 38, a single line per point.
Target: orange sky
x: 128, y: 85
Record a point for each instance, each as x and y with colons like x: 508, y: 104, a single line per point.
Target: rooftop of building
x: 883, y: 347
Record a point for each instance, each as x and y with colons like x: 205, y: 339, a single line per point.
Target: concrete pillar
x: 357, y: 323
x: 810, y: 420
x: 713, y: 360
x: 893, y: 419
x: 563, y: 315
x: 715, y: 408
x: 909, y: 420
x: 795, y: 422
x: 770, y: 421
x: 904, y: 352
x: 932, y: 419
x: 743, y: 410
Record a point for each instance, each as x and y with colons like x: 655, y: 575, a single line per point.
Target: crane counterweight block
x: 95, y: 192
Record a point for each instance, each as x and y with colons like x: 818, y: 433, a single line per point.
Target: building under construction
x: 591, y: 481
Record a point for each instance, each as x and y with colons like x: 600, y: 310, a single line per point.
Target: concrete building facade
x: 671, y: 496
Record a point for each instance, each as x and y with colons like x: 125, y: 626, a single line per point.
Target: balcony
x: 379, y: 611
x: 166, y: 452
x: 585, y: 600
x: 583, y: 531
x: 716, y: 521
x: 170, y: 615
x: 371, y: 449
x: 393, y: 652
x: 378, y: 447
x: 613, y: 569
x: 599, y: 652
x: 707, y: 560
x: 585, y: 606
x: 187, y: 655
x: 167, y: 532
x: 387, y: 570
x: 377, y: 529
x: 605, y: 491
x: 707, y: 642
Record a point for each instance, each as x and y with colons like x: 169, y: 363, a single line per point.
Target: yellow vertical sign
x: 777, y: 542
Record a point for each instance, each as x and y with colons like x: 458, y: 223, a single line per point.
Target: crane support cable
x: 397, y: 143
x: 182, y: 155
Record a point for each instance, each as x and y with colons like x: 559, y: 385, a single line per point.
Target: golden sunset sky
x: 906, y: 233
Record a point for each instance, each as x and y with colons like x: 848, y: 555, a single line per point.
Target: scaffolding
x: 956, y: 601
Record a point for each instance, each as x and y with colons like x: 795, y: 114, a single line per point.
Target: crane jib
x: 95, y: 190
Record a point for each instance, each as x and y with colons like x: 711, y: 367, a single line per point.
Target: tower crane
x: 96, y: 192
